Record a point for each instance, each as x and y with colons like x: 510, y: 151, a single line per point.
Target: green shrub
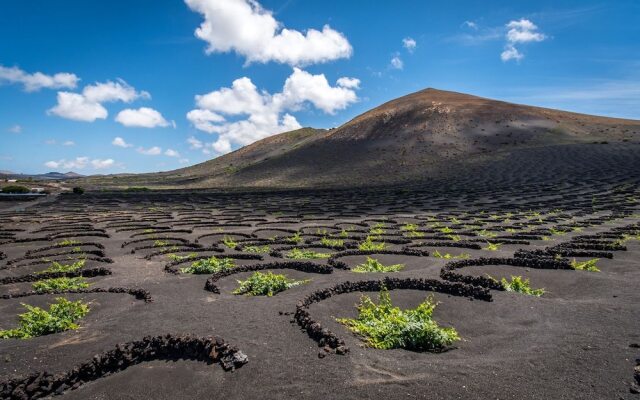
x: 67, y: 242
x: 590, y: 265
x: 78, y: 190
x: 299, y: 254
x: 492, y: 246
x: 448, y: 256
x: 229, y: 242
x: 369, y: 245
x: 266, y: 284
x: 15, y: 189
x: 62, y: 316
x: 296, y: 238
x: 161, y: 243
x: 257, y: 249
x: 409, y: 227
x: 57, y: 267
x: 520, y: 285
x: 332, y: 242
x: 373, y: 265
x: 175, y: 257
x: 383, y: 326
x: 209, y: 266
x: 50, y: 285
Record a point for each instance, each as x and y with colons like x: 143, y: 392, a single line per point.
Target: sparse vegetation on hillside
x: 373, y: 265
x: 266, y: 284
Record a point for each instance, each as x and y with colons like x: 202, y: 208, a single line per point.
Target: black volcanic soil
x: 572, y: 343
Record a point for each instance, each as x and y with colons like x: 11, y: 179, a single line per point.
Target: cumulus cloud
x: 87, y: 106
x: 397, y: 63
x: 409, y: 44
x: 511, y: 53
x: 76, y: 107
x: 120, y: 142
x: 38, y: 80
x: 152, y: 151
x: 171, y: 153
x: 471, y: 25
x: 77, y: 163
x: 69, y: 143
x: 523, y: 31
x: 248, y: 29
x: 266, y: 114
x: 102, y: 164
x: 143, y: 117
x: 194, y: 144
x: 520, y: 31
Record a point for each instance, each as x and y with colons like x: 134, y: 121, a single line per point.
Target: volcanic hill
x: 425, y: 135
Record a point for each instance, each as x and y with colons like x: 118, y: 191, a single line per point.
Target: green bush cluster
x: 300, y: 254
x: 520, y: 285
x: 589, y: 265
x: 257, y: 249
x: 369, y: 245
x: 58, y: 267
x: 62, y: 316
x: 373, y: 265
x: 384, y: 326
x: 51, y: 285
x: 266, y: 284
x: 209, y: 266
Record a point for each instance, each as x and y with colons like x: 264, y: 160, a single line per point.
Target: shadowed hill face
x: 416, y: 137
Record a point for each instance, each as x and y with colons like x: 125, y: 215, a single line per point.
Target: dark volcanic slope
x: 420, y: 136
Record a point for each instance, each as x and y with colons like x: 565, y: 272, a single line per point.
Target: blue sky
x: 147, y: 85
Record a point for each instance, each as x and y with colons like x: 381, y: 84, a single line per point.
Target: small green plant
x: 589, y: 265
x: 160, y: 243
x: 492, y: 246
x: 62, y: 316
x: 376, y: 231
x: 175, y: 257
x: 369, y: 245
x: 300, y: 254
x: 296, y: 238
x: 409, y: 227
x: 487, y: 234
x: 55, y: 284
x: 266, y: 284
x: 557, y: 232
x: 414, y: 234
x: 446, y: 229
x: 57, y: 267
x: 229, y: 242
x: 257, y: 249
x: 383, y: 326
x: 520, y: 285
x: 448, y: 256
x: 373, y: 265
x: 455, y: 238
x: 332, y: 242
x: 344, y: 234
x: 209, y: 266
x: 67, y: 243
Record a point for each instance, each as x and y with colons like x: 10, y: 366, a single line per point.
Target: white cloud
x: 265, y: 113
x: 409, y: 44
x: 143, y: 117
x: 471, y: 24
x: 152, y: 151
x: 88, y: 105
x: 171, y: 153
x: 102, y: 164
x: 36, y: 81
x: 349, y: 83
x: 511, y: 53
x: 50, y: 141
x: 15, y: 129
x: 120, y: 142
x: 245, y: 27
x: 76, y: 107
x: 397, y: 63
x: 69, y: 143
x: 521, y: 31
x: 183, y: 160
x: 194, y: 143
x: 77, y: 163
